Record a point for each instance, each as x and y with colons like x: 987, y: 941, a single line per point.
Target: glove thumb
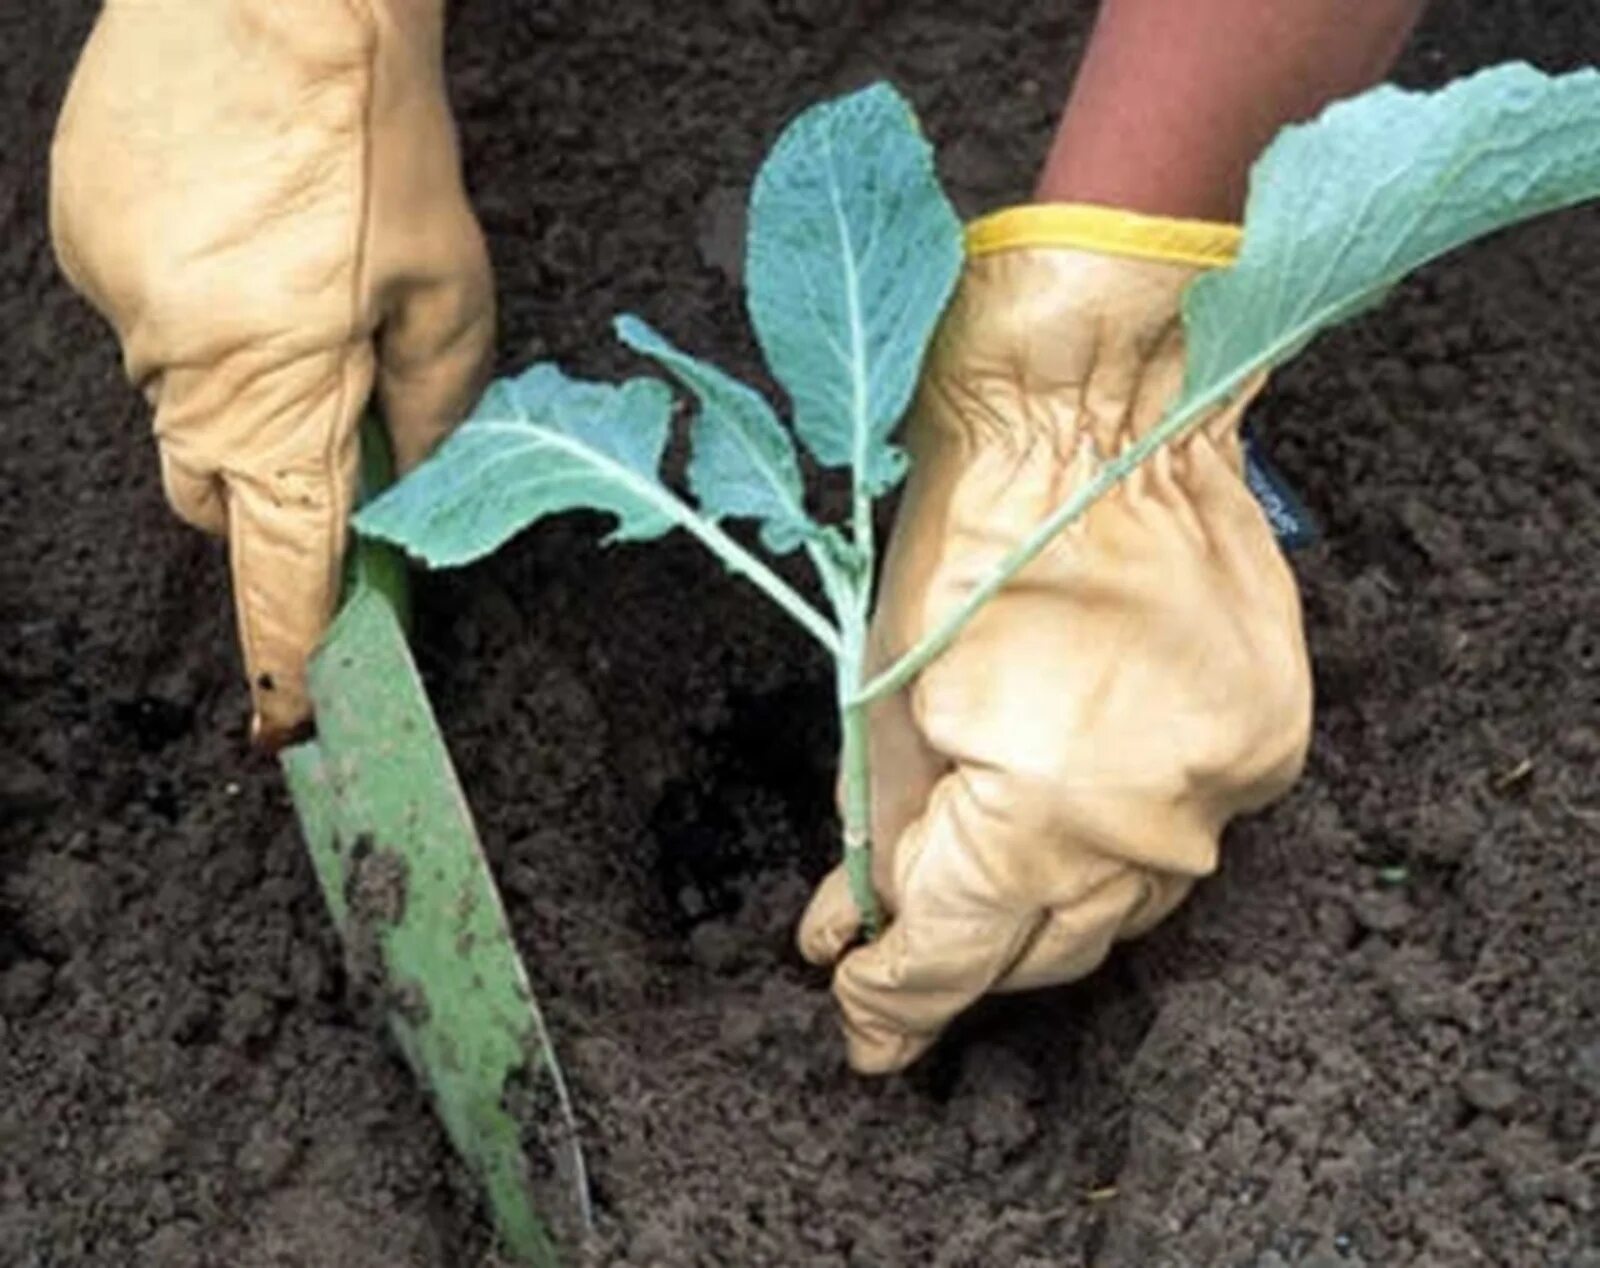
x: 436, y: 345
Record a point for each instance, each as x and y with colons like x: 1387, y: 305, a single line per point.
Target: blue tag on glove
x: 1291, y: 522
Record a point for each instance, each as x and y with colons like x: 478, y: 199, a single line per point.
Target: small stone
x: 1437, y: 535
x: 1489, y: 1091
x: 307, y: 977
x: 692, y: 903
x: 1339, y: 1251
x: 266, y: 1156
x: 60, y: 903
x: 174, y: 1245
x: 654, y: 1243
x: 914, y: 1168
x: 24, y: 988
x: 145, y: 1144
x: 1579, y: 743
x: 875, y: 1244
x: 190, y: 1016
x: 1005, y: 1122
x: 1528, y: 1164
x: 1442, y: 383
x: 1335, y: 925
x: 1584, y: 1069
x: 1385, y: 912
x: 247, y: 1017
x: 1421, y: 990
x: 521, y: 879
x: 974, y: 165
x: 813, y: 1153
x: 718, y: 947
x: 741, y: 1029
x: 24, y: 788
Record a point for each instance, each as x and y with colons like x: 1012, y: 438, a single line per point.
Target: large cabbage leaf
x: 1342, y: 208
x: 853, y: 253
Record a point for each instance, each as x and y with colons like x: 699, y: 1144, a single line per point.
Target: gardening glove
x: 1056, y: 779
x: 265, y: 200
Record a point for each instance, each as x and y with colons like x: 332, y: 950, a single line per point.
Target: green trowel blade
x: 405, y: 878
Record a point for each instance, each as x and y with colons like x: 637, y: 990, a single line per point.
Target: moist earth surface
x: 1373, y: 1038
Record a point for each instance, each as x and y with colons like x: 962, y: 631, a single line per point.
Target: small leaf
x: 853, y: 253
x: 743, y: 462
x: 1342, y: 208
x: 536, y: 445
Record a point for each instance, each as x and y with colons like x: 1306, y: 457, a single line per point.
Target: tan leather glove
x: 265, y: 200
x: 1056, y: 780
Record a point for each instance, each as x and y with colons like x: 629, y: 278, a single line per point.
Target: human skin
x: 1176, y: 98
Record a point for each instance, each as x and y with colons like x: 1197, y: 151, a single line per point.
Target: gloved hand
x: 265, y: 201
x: 1057, y: 778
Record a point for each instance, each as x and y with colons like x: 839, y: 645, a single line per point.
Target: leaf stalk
x: 856, y: 789
x: 739, y: 560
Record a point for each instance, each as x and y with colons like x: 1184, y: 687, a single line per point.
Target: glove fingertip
x: 875, y: 1010
x: 880, y: 1051
x: 285, y: 544
x: 830, y: 923
x: 269, y: 735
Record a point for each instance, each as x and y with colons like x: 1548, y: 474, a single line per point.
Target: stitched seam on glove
x: 1202, y: 243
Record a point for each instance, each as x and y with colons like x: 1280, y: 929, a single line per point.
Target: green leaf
x: 542, y: 443
x: 536, y: 445
x: 742, y: 461
x: 1342, y: 208
x: 853, y: 253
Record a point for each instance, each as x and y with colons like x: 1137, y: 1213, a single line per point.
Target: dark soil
x: 1373, y: 1039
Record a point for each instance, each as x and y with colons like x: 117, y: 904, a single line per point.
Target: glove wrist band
x: 1107, y: 230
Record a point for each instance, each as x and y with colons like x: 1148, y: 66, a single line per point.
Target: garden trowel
x: 405, y: 878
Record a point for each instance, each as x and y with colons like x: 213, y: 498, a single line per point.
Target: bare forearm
x: 1176, y: 98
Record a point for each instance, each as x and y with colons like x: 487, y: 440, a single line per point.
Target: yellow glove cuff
x: 1108, y: 230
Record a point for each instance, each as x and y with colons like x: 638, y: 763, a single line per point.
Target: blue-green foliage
x: 1343, y: 207
x: 853, y: 252
x: 536, y: 445
x: 743, y: 462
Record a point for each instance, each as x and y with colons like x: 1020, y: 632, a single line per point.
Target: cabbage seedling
x: 853, y: 253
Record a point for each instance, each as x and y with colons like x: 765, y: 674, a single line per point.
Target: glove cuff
x: 1107, y: 230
